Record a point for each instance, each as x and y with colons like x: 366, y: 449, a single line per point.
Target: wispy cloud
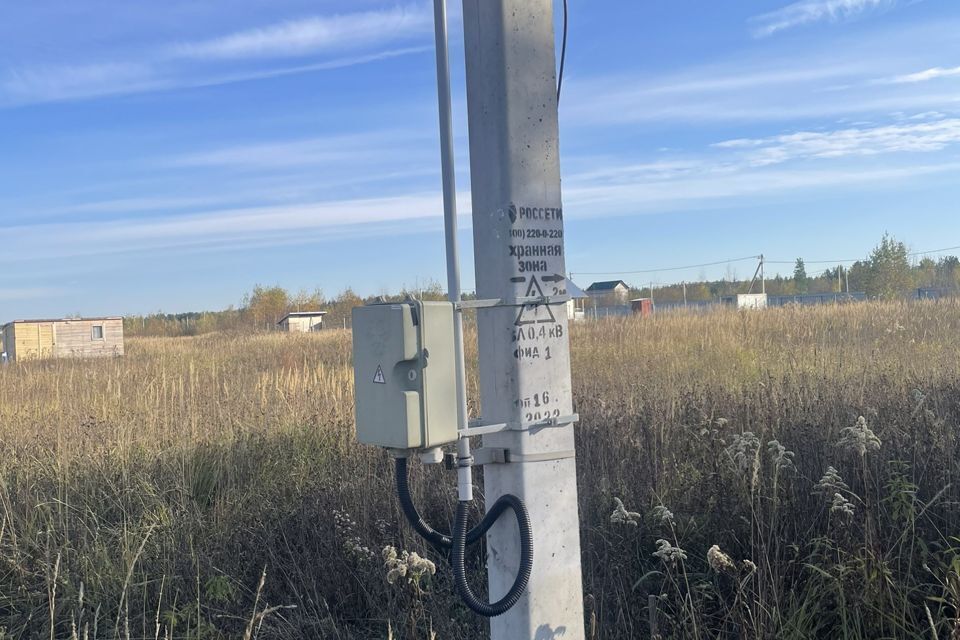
x: 869, y: 141
x: 731, y: 172
x: 719, y: 187
x: 51, y: 82
x: 780, y: 84
x: 315, y: 34
x: 275, y: 225
x: 626, y: 101
x: 339, y: 150
x: 357, y: 38
x: 27, y: 293
x: 746, y: 170
x: 58, y: 84
x: 925, y: 75
x: 807, y: 12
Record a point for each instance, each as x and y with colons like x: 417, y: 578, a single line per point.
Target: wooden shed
x: 67, y: 338
x: 642, y: 307
x: 302, y: 321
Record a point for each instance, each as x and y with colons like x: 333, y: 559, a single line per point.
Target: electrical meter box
x: 404, y: 370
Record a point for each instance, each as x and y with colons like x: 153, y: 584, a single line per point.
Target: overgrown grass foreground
x: 789, y: 473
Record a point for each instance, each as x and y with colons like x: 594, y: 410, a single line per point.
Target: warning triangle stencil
x: 378, y: 377
x: 535, y: 314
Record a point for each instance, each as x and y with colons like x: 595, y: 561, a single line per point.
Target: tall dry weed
x: 143, y: 497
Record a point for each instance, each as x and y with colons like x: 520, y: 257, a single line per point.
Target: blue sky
x: 168, y: 156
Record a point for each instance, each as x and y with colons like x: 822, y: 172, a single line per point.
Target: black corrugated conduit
x: 462, y: 538
x: 439, y: 540
x: 491, y: 610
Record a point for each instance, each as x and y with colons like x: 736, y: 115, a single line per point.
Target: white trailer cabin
x: 302, y: 321
x: 746, y: 300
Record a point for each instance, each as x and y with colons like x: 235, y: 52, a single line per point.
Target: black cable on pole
x: 462, y: 538
x: 504, y: 604
x: 440, y: 541
x: 563, y: 50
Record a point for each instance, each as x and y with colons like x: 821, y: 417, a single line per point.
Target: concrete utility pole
x: 524, y: 351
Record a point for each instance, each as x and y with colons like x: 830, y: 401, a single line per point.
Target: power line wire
x: 745, y: 258
x: 912, y: 253
x: 921, y: 253
x: 563, y: 50
x: 813, y: 261
x: 690, y: 266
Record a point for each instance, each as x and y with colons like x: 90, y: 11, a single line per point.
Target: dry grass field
x: 209, y: 487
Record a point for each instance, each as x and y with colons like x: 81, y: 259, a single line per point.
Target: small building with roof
x: 63, y: 338
x: 302, y: 321
x: 746, y: 300
x: 610, y: 291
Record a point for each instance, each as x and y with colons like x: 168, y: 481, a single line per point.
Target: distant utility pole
x: 758, y: 272
x: 684, y: 293
x: 524, y: 351
x: 763, y: 277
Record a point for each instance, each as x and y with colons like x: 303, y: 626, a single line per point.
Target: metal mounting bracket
x: 516, y: 302
x: 494, y: 455
x: 477, y: 428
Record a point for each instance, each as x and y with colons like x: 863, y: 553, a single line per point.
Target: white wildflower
x: 620, y: 514
x: 347, y: 530
x: 830, y: 482
x: 859, y: 438
x: 407, y: 565
x: 744, y: 453
x: 749, y: 566
x: 719, y: 561
x: 417, y: 566
x: 782, y: 457
x: 664, y: 515
x: 396, y: 573
x: 841, y: 506
x: 669, y: 553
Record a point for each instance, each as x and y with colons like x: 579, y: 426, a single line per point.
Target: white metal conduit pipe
x: 444, y: 100
x: 461, y: 537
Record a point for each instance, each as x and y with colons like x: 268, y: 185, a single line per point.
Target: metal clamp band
x: 516, y: 302
x: 493, y: 455
x: 477, y: 428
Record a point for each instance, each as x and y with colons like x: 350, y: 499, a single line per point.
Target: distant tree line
x: 262, y: 309
x: 887, y: 273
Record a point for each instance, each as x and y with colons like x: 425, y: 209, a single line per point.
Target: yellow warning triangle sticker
x: 378, y: 377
